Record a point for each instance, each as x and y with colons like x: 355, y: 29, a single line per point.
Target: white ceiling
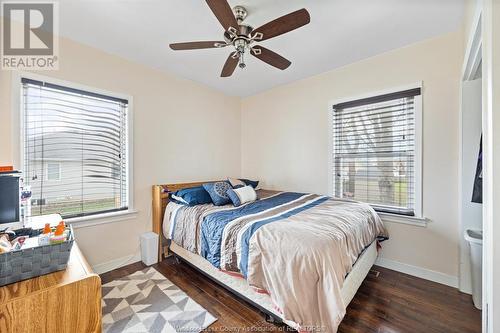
x: 340, y: 32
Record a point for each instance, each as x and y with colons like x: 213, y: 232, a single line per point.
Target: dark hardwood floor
x: 390, y: 302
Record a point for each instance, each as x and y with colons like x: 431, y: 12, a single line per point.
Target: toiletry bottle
x: 44, y: 238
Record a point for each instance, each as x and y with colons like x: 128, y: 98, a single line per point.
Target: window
x: 74, y: 150
x: 376, y: 155
x: 53, y: 171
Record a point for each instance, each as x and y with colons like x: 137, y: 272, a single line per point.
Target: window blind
x: 374, y: 151
x: 74, y: 150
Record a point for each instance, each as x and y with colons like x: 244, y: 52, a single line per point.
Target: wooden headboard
x: 160, y: 201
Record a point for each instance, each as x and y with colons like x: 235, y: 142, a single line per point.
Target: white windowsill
x: 410, y: 220
x: 92, y: 220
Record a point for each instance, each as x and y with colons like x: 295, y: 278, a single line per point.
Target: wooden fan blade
x: 224, y: 13
x: 230, y: 65
x: 282, y: 25
x: 197, y: 45
x: 270, y: 57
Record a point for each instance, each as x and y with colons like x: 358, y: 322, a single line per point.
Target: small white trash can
x: 149, y: 248
x: 475, y: 239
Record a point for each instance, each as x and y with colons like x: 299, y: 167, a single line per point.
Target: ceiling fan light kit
x: 242, y: 36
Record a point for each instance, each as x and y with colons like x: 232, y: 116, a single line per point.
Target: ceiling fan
x: 242, y: 36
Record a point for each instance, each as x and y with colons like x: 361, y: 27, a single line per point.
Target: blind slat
x: 383, y: 125
x: 362, y: 119
x: 371, y: 131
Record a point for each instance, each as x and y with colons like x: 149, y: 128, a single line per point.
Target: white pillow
x: 242, y: 195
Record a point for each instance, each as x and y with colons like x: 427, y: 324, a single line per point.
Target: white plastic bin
x: 149, y: 248
x: 475, y: 239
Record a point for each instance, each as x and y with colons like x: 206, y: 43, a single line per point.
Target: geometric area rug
x: 146, y: 301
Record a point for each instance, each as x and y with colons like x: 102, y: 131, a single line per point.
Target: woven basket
x: 32, y: 262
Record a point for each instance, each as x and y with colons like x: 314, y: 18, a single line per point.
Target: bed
x: 267, y: 275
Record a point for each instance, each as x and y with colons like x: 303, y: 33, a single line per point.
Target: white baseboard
x: 116, y: 263
x: 420, y: 272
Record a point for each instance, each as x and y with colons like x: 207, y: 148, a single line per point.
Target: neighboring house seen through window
x: 376, y: 155
x: 74, y: 150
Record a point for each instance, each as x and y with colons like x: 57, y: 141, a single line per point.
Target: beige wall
x: 183, y: 131
x: 285, y: 139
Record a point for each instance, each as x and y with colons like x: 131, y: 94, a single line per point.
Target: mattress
x: 351, y: 284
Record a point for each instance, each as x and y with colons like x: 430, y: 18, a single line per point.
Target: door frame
x: 471, y: 70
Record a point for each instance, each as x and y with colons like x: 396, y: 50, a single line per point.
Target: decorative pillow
x: 178, y: 200
x: 218, y: 192
x: 242, y: 195
x: 236, y: 183
x: 253, y: 183
x: 191, y: 196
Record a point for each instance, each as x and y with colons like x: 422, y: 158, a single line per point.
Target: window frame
x: 47, y: 173
x: 18, y: 141
x: 418, y: 219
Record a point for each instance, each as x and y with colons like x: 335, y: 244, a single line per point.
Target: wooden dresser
x: 64, y: 301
